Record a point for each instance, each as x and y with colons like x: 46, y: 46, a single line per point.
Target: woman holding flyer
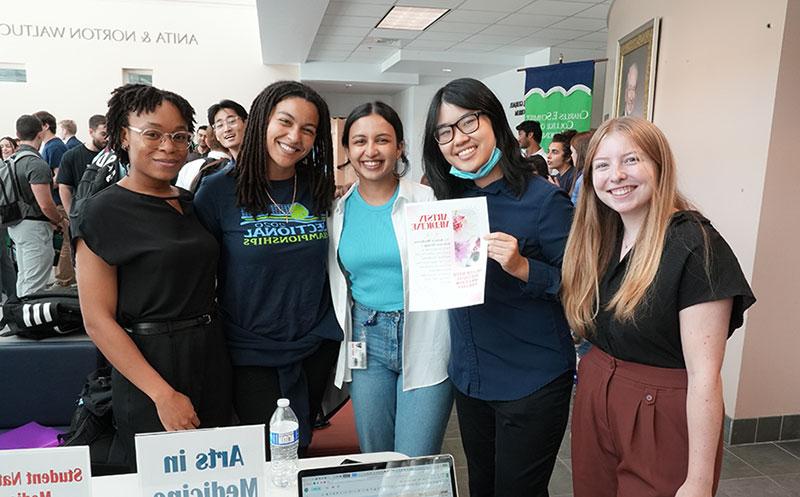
x: 396, y: 361
x: 512, y: 358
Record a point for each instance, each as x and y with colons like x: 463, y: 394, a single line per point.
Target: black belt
x: 160, y: 328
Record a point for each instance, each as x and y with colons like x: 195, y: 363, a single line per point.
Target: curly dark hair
x: 252, y: 183
x: 564, y: 138
x: 138, y: 98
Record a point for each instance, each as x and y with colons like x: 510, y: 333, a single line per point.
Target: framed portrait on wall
x: 635, y: 82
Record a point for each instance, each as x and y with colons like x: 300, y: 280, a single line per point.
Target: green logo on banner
x: 558, y: 110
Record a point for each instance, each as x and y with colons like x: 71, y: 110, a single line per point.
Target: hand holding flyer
x: 446, y: 253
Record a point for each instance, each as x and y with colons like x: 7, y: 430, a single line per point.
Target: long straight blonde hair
x: 595, y: 229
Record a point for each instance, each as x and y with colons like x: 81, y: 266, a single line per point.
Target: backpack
x: 11, y: 192
x: 210, y: 166
x: 92, y: 424
x: 44, y: 314
x: 105, y: 170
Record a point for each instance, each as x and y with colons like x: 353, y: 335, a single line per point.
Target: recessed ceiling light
x: 411, y: 18
x: 446, y: 69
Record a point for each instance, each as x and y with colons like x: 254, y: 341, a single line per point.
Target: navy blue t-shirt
x: 518, y: 340
x: 272, y: 285
x: 52, y: 152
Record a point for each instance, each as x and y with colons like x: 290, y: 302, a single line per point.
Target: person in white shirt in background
x: 216, y: 152
x: 529, y: 135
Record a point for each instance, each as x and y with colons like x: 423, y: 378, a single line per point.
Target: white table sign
x: 211, y: 462
x: 53, y: 472
x: 446, y: 253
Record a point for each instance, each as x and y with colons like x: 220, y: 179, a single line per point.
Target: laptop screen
x: 417, y: 477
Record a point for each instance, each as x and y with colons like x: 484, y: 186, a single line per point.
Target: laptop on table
x: 432, y: 476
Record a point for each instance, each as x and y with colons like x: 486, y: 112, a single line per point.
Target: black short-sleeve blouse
x: 166, y: 261
x: 688, y: 274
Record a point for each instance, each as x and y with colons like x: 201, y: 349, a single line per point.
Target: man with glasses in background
x: 228, y: 120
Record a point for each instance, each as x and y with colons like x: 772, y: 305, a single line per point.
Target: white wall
x: 509, y: 86
x: 72, y: 78
x: 412, y: 106
x: 715, y: 95
x: 340, y: 104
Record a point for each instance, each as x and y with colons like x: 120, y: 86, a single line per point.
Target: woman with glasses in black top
x: 146, y: 272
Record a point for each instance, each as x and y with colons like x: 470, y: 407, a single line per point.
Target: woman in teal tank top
x: 396, y: 361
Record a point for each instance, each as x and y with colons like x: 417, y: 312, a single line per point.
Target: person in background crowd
x: 33, y: 235
x: 539, y: 165
x: 147, y: 294
x: 559, y: 159
x: 529, y: 135
x: 200, y: 148
x: 8, y: 146
x: 657, y: 291
x: 67, y: 129
x: 228, y: 120
x: 512, y: 358
x: 8, y: 272
x: 52, y: 151
x: 53, y: 148
x: 268, y: 216
x: 73, y: 164
x: 577, y: 147
x: 193, y: 172
x: 401, y: 397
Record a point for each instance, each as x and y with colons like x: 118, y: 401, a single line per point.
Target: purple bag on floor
x: 29, y: 436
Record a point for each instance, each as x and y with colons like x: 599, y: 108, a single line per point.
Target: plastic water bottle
x: 284, y: 439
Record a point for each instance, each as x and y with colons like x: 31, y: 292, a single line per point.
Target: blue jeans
x: 387, y: 418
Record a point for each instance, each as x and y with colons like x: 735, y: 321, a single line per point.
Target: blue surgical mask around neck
x: 482, y: 171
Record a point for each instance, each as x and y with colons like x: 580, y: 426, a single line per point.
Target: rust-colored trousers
x: 629, y: 432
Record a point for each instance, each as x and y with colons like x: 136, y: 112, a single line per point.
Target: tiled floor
x: 757, y: 470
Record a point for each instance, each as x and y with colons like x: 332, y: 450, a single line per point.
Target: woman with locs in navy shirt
x: 512, y: 358
x: 268, y: 215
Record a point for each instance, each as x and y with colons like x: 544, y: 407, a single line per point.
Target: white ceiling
x: 496, y: 27
x: 335, y: 41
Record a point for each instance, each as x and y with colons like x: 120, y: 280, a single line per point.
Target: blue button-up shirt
x: 518, y: 340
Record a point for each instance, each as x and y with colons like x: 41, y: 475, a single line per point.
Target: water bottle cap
x: 283, y: 402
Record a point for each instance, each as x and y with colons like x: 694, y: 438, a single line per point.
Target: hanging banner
x: 559, y: 96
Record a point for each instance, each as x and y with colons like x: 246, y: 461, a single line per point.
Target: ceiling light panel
x: 411, y: 18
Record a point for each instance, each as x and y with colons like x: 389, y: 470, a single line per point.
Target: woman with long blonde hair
x: 657, y: 291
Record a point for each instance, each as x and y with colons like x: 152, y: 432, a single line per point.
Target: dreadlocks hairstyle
x: 252, y: 183
x: 137, y: 99
x: 471, y: 94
